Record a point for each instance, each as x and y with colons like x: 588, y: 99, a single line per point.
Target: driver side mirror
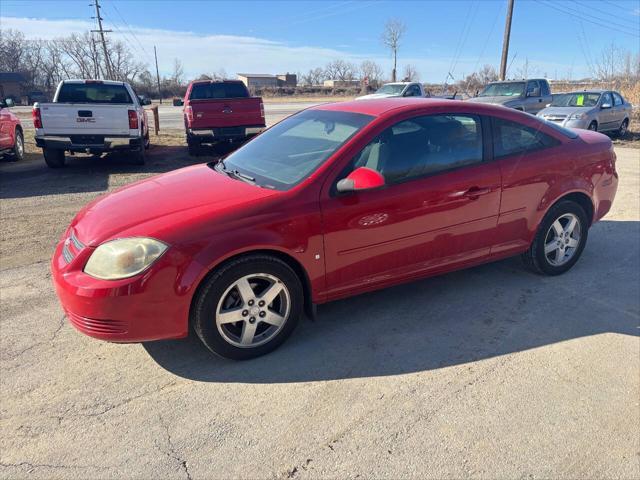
x: 361, y: 178
x: 606, y: 105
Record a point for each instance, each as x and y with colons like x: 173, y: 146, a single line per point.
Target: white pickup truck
x: 91, y: 116
x: 397, y: 89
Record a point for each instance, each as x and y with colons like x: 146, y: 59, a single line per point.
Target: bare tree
x: 314, y: 76
x: 11, y: 50
x: 479, y: 79
x: 340, y: 70
x: 410, y: 74
x: 393, y: 32
x: 372, y: 71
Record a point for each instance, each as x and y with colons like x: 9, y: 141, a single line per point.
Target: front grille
x: 92, y: 325
x: 71, y: 247
x: 555, y: 118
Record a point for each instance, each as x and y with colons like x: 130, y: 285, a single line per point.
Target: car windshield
x: 510, y: 89
x: 392, y: 89
x: 582, y: 99
x: 94, y: 92
x: 291, y: 150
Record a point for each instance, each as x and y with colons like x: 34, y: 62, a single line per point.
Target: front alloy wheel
x: 253, y: 310
x: 248, y: 306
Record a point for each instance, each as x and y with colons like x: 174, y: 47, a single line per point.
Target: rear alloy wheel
x: 18, y: 147
x: 54, y: 158
x: 248, y: 307
x: 593, y: 126
x: 560, y: 240
x: 622, y: 131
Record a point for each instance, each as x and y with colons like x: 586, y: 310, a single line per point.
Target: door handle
x: 473, y: 192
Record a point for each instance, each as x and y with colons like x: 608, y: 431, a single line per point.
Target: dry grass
x: 310, y: 98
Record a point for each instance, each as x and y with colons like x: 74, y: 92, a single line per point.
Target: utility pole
x: 155, y: 53
x: 101, y: 31
x: 505, y: 41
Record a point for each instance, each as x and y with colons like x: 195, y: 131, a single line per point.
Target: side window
x: 423, y: 146
x: 544, y: 89
x: 511, y: 138
x: 532, y: 86
x: 617, y: 99
x: 606, y: 98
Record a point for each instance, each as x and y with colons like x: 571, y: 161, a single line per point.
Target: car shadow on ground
x: 31, y: 177
x: 484, y: 312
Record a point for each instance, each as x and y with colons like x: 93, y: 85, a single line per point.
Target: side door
x: 5, y: 128
x: 607, y: 114
x: 619, y: 111
x: 438, y: 207
x: 529, y: 165
x: 533, y: 100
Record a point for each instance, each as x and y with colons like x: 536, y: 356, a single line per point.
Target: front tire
x: 593, y: 126
x: 54, y: 158
x: 560, y: 240
x: 248, y: 307
x: 17, y: 153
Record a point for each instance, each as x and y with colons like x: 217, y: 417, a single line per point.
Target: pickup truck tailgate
x: 226, y: 112
x: 85, y: 119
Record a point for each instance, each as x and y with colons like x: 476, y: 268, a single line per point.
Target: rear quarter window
x: 94, y: 93
x: 205, y: 91
x: 513, y: 138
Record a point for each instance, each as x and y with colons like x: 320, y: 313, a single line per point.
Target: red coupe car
x: 334, y: 201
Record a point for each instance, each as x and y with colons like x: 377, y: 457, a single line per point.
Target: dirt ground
x: 491, y: 372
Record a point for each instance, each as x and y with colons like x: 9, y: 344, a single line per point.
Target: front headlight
x: 578, y: 116
x: 124, y: 257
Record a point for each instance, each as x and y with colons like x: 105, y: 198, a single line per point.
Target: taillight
x: 133, y: 120
x: 261, y: 109
x: 188, y: 111
x: 37, y: 117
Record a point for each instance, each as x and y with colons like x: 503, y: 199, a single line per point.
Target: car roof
x: 93, y: 81
x: 379, y: 107
x: 591, y: 90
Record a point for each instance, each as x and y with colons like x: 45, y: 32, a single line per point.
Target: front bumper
x: 211, y: 135
x: 582, y: 123
x: 149, y: 306
x: 89, y: 143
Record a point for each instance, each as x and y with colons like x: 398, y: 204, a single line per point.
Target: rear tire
x: 622, y: 131
x: 54, y: 158
x: 252, y: 327
x: 147, y: 141
x: 559, y: 241
x: 194, y: 147
x: 593, y: 126
x: 137, y: 157
x: 18, y: 148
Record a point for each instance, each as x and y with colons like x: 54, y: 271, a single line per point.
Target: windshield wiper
x: 236, y: 174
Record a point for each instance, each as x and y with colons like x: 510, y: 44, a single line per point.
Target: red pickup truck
x: 220, y: 111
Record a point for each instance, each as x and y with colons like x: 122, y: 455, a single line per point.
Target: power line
x: 130, y: 30
x: 608, y: 14
x: 576, y: 15
x: 486, y: 42
x: 600, y: 18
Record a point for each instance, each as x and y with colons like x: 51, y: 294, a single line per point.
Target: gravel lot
x: 491, y: 372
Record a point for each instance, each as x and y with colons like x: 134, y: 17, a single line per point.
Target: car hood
x: 494, y: 100
x: 563, y: 111
x: 156, y: 206
x: 372, y: 96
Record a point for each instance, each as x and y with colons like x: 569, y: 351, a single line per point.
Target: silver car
x: 599, y: 110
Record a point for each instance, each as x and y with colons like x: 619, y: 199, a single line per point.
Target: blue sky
x: 556, y: 37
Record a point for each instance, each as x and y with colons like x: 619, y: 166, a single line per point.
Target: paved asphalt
x: 491, y: 372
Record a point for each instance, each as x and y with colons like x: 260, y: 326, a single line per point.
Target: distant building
x: 341, y: 83
x: 11, y: 85
x: 261, y: 80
